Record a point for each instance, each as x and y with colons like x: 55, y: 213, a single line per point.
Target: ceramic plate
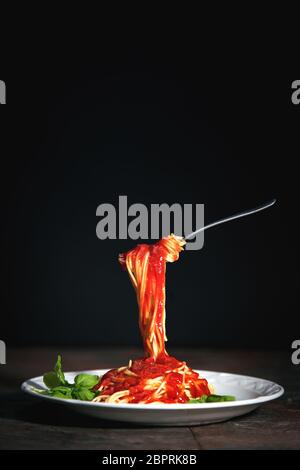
x: 250, y: 392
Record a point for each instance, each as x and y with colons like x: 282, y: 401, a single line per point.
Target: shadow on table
x: 19, y: 407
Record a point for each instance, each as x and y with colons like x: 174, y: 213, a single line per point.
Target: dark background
x: 158, y: 125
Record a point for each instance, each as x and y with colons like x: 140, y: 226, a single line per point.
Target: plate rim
x: 27, y: 388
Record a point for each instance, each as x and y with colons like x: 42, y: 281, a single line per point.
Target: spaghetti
x: 157, y: 378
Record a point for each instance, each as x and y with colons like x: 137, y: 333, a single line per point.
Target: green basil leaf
x: 61, y: 392
x: 212, y: 399
x: 40, y: 390
x: 59, y: 387
x: 86, y: 380
x: 51, y: 379
x: 83, y: 394
x: 202, y: 399
x: 229, y: 398
x: 219, y: 398
x: 59, y: 372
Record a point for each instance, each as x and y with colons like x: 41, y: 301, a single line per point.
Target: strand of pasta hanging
x: 146, y: 265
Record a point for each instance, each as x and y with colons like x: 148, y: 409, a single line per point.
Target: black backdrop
x: 158, y: 126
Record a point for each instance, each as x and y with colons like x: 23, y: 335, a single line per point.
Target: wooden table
x: 27, y: 423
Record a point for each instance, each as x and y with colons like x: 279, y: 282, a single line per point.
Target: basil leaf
x: 219, y: 398
x: 212, y: 399
x: 59, y: 372
x: 51, y: 379
x: 61, y: 392
x: 59, y: 387
x: 229, y: 398
x: 41, y: 391
x: 86, y: 380
x: 83, y: 394
x: 202, y: 399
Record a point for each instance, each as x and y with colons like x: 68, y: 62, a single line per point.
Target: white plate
x: 250, y: 392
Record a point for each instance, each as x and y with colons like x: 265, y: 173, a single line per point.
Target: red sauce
x: 148, y: 368
x: 149, y: 262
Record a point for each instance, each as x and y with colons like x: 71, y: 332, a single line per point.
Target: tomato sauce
x: 148, y: 368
